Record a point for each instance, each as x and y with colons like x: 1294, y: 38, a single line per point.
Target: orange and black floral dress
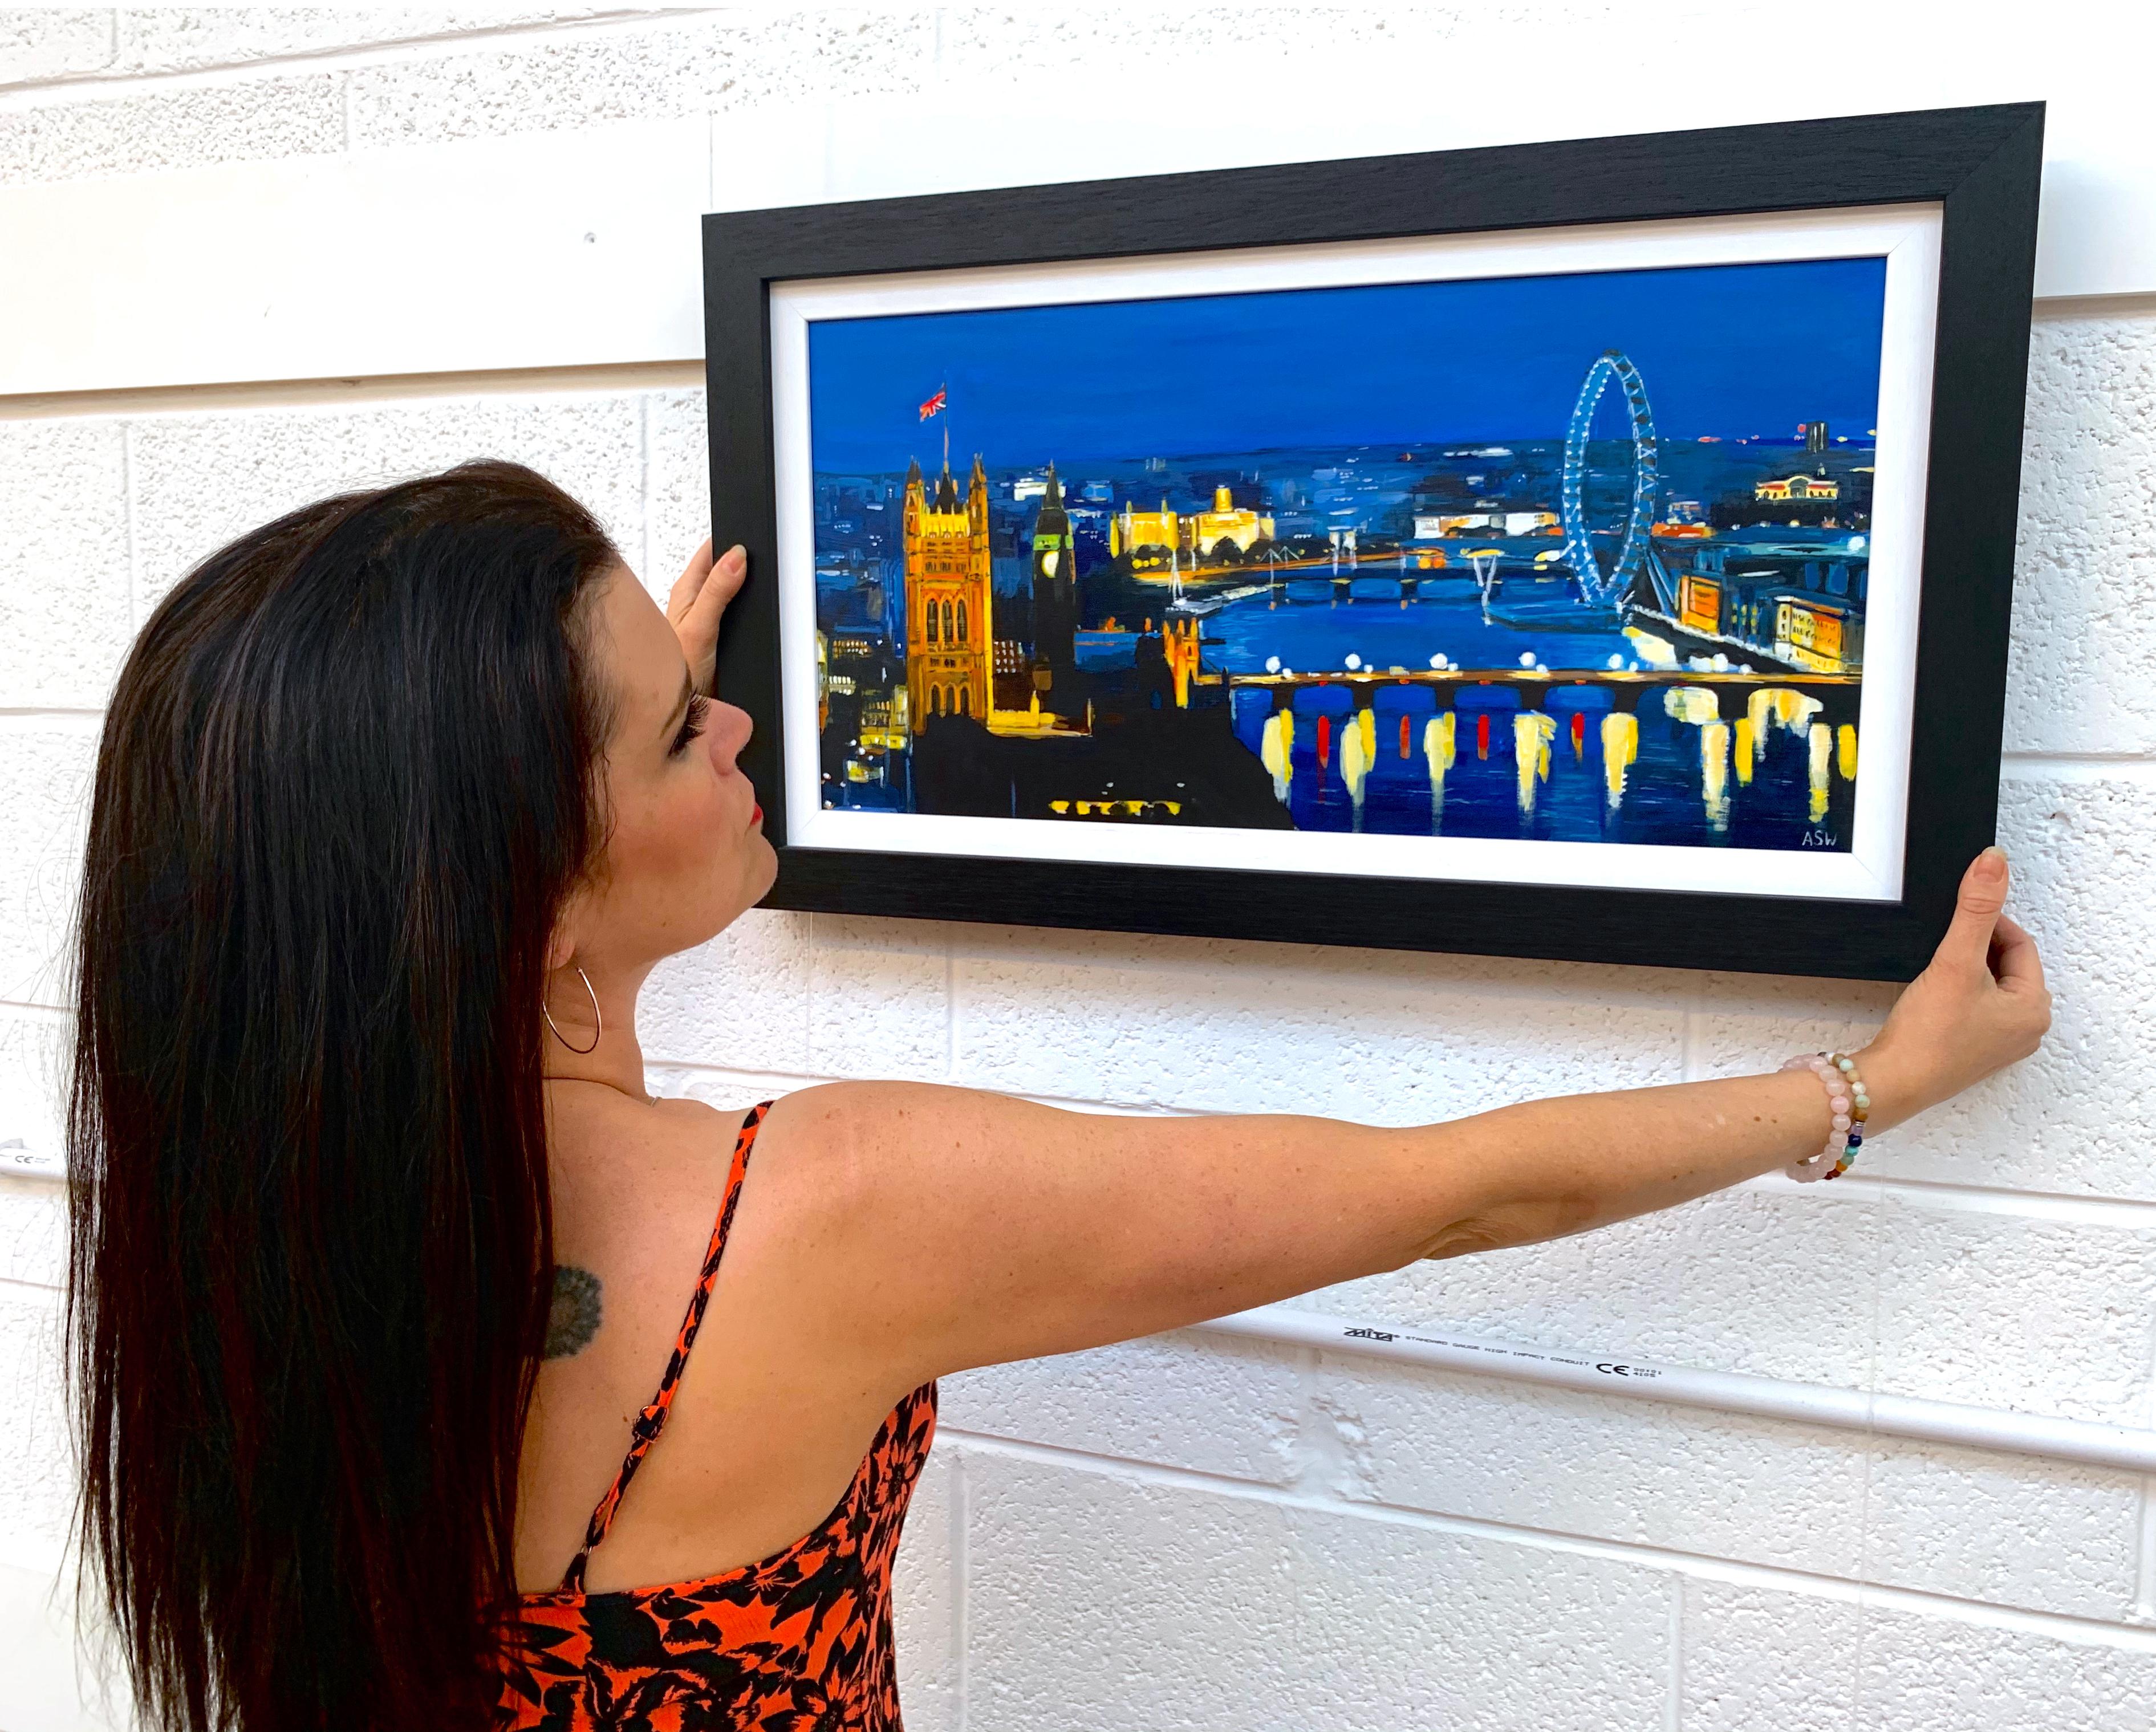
x: 796, y: 1641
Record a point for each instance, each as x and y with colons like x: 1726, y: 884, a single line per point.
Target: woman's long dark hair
x: 348, y: 778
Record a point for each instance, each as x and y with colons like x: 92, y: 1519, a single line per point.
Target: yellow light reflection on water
x: 1739, y: 744
x: 1620, y: 745
x: 1273, y: 749
x: 1714, y: 773
x: 1776, y: 705
x: 1437, y: 749
x: 1355, y: 755
x: 1532, y: 733
x: 1437, y: 735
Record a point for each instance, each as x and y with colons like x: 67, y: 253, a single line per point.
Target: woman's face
x: 684, y: 850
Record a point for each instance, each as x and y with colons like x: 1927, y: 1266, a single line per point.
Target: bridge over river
x: 1563, y: 689
x: 1761, y: 758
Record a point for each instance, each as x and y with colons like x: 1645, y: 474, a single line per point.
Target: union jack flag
x: 934, y: 405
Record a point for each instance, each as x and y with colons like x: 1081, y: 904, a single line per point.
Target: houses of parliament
x: 950, y: 598
x: 954, y: 665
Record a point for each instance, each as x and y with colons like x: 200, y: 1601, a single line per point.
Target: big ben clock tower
x: 1054, y: 591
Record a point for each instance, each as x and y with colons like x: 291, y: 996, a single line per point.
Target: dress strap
x: 652, y: 1421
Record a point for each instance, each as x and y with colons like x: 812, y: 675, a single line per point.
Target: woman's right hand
x: 1979, y: 1007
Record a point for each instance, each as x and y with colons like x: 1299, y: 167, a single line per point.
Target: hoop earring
x: 597, y: 1018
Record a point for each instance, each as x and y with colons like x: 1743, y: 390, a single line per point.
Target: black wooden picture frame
x: 1980, y: 165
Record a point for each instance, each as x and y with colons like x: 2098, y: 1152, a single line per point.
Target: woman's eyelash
x: 692, y: 723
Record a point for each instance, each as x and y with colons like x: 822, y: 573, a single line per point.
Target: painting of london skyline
x: 1568, y: 558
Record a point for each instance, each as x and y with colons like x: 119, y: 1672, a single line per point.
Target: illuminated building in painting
x: 1699, y: 603
x: 1129, y: 530
x: 950, y: 628
x: 1226, y: 522
x: 1797, y: 487
x: 1813, y: 433
x: 1809, y: 633
x: 1195, y: 533
x: 1179, y: 641
x: 1685, y: 521
x: 1437, y: 526
x: 1800, y: 602
x: 883, y: 723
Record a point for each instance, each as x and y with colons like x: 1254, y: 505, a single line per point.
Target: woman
x: 382, y: 1251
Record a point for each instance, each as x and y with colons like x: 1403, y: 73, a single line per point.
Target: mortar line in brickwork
x: 2080, y: 766
x: 128, y: 497
x: 1673, y: 1704
x: 644, y: 480
x: 1703, y: 1566
x: 2131, y: 1214
x: 2144, y: 1575
x: 107, y: 83
x: 2144, y: 1550
x: 2129, y: 305
x: 950, y: 1013
x: 961, y: 1517
x: 597, y: 378
x: 1879, y: 1194
x: 2148, y: 1383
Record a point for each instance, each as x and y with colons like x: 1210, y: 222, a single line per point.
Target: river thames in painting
x: 1577, y: 558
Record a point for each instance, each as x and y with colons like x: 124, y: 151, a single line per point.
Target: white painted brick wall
x: 1190, y: 1530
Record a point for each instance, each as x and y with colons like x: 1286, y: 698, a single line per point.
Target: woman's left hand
x: 695, y: 603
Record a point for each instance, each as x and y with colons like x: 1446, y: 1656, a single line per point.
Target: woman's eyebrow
x: 680, y: 704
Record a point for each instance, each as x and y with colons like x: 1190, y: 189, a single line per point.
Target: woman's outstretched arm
x: 962, y: 1228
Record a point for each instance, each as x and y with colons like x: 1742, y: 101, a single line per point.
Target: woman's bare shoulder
x: 631, y: 1180
x: 830, y: 1121
x: 629, y: 1174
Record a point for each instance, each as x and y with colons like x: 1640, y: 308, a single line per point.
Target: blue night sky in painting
x: 1725, y: 350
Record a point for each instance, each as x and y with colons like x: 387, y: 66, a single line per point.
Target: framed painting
x: 1598, y: 550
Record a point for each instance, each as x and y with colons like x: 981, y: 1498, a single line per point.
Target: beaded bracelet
x: 1851, y: 1105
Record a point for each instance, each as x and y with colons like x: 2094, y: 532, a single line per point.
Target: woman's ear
x: 560, y: 947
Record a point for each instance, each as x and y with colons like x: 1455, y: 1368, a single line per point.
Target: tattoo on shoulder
x: 573, y: 1319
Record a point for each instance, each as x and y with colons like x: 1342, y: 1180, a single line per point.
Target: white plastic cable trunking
x: 2132, y: 1449
x: 2129, y: 1448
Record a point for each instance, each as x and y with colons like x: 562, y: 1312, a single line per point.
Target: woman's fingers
x: 2013, y: 957
x: 707, y: 583
x: 697, y: 602
x: 732, y: 569
x: 687, y: 585
x: 1977, y: 909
